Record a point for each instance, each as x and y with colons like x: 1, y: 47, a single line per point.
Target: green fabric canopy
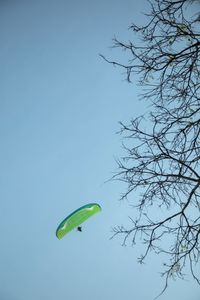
x: 76, y: 218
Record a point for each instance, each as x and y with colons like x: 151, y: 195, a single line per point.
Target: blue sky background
x: 59, y: 110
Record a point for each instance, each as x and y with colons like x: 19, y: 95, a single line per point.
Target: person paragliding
x: 79, y: 228
x: 76, y: 218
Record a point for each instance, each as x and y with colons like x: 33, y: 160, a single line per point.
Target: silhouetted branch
x: 162, y: 160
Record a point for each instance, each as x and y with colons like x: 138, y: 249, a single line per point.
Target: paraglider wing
x: 76, y: 218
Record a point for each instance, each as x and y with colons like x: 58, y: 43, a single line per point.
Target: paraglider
x: 76, y: 218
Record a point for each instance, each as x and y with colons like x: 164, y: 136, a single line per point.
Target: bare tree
x: 162, y: 159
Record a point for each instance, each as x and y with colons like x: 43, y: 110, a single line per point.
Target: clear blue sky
x: 59, y: 110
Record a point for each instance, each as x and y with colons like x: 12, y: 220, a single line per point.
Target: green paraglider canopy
x: 76, y: 218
